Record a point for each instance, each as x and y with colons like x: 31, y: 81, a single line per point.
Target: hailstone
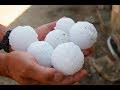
x: 21, y: 37
x: 83, y: 34
x: 56, y: 37
x: 64, y: 24
x: 67, y: 58
x: 42, y: 51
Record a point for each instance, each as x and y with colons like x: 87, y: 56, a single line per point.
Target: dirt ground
x: 41, y: 14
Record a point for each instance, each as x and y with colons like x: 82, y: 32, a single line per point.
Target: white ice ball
x: 67, y: 58
x: 21, y: 37
x: 83, y: 34
x: 64, y: 24
x: 42, y: 51
x: 56, y: 37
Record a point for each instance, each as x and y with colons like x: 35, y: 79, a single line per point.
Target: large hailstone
x: 21, y: 37
x: 42, y: 51
x: 64, y: 24
x: 83, y: 34
x: 56, y: 37
x: 67, y: 58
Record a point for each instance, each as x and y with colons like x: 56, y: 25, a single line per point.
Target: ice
x: 56, y: 37
x: 83, y: 34
x: 42, y: 51
x: 67, y: 58
x: 64, y: 24
x: 21, y: 37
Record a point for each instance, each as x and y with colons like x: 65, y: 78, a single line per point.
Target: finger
x: 85, y: 52
x: 75, y: 78
x: 88, y: 51
x: 46, y: 75
x: 63, y: 80
x: 43, y: 30
x: 58, y: 77
x: 50, y: 25
x: 24, y: 81
x: 29, y: 82
x: 92, y: 49
x: 42, y: 74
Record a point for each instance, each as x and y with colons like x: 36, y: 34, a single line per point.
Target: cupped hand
x: 23, y: 68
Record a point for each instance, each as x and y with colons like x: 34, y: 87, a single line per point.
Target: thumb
x: 43, y: 30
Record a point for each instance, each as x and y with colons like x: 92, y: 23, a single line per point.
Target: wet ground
x: 41, y: 14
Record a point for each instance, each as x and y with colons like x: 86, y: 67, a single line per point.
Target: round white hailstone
x: 42, y: 51
x: 83, y: 34
x: 21, y: 37
x: 67, y: 58
x: 56, y: 37
x: 64, y: 24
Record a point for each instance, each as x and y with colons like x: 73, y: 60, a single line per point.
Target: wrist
x: 3, y: 66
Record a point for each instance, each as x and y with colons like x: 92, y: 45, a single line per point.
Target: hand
x: 23, y: 68
x: 28, y: 71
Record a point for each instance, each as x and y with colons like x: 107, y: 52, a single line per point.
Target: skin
x: 23, y: 68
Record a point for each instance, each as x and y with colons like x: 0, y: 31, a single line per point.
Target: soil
x: 41, y: 14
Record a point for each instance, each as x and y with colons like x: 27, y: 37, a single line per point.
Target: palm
x: 23, y: 68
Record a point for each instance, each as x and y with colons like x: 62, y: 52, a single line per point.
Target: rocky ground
x: 41, y: 14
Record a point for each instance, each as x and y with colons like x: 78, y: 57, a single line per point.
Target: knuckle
x: 58, y: 77
x: 50, y: 75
